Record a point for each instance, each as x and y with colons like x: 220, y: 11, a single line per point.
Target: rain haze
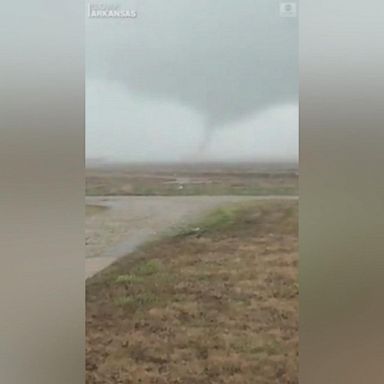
x: 193, y: 80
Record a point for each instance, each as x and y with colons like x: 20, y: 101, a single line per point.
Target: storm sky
x: 193, y: 80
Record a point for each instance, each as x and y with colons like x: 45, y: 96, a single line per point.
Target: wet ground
x: 129, y: 221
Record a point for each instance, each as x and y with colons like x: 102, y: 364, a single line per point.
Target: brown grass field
x: 192, y: 179
x: 215, y: 303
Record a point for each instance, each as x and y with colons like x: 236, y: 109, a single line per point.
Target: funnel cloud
x: 191, y: 78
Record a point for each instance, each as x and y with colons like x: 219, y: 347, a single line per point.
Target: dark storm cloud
x: 226, y: 59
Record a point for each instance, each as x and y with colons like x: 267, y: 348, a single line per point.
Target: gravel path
x: 130, y: 221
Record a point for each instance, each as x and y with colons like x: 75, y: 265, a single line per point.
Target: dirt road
x: 129, y: 221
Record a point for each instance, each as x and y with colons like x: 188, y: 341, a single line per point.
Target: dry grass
x: 184, y: 181
x: 217, y: 304
x: 91, y: 210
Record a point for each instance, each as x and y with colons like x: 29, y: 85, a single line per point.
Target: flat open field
x: 215, y: 303
x: 192, y: 179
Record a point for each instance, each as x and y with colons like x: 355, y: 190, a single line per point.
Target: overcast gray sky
x: 193, y: 80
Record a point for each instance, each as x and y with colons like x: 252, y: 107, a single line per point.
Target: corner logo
x: 288, y: 9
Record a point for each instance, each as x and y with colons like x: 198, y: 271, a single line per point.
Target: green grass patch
x: 129, y: 279
x: 141, y: 300
x: 147, y: 268
x: 139, y: 273
x: 219, y: 219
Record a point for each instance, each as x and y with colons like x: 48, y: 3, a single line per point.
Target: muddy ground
x: 217, y: 304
